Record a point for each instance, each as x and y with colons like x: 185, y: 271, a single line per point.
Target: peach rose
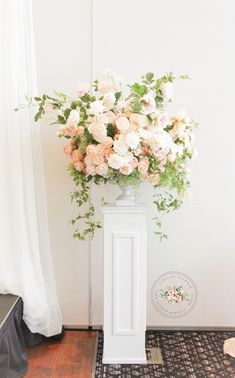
x: 100, y: 150
x: 108, y: 152
x: 145, y: 150
x: 126, y: 169
x: 67, y: 149
x: 98, y: 159
x: 79, y: 165
x: 69, y: 130
x: 80, y: 131
x: 107, y: 142
x: 143, y: 165
x: 102, y: 169
x: 91, y: 150
x: 76, y: 155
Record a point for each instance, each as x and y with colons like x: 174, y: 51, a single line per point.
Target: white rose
x: 73, y: 118
x: 167, y: 90
x: 82, y: 89
x: 98, y: 131
x: 132, y: 139
x: 96, y: 107
x: 102, y: 118
x: 149, y: 106
x: 110, y: 117
x: 120, y: 146
x: 122, y: 124
x: 109, y: 99
x: 115, y: 161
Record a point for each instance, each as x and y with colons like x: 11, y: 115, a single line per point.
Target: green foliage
x: 81, y: 198
x: 118, y: 95
x: 139, y: 89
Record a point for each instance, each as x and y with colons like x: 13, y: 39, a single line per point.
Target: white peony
x: 162, y: 140
x: 167, y: 90
x: 163, y: 120
x: 96, y: 107
x: 82, y: 89
x: 120, y: 146
x: 132, y: 139
x: 115, y: 161
x: 98, y: 131
x: 109, y: 100
x: 73, y: 118
x: 122, y: 124
x: 149, y: 106
x: 109, y: 82
x: 139, y: 120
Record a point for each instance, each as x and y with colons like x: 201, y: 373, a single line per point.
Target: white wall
x: 132, y: 37
x: 63, y: 52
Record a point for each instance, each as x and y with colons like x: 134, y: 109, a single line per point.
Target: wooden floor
x: 71, y: 357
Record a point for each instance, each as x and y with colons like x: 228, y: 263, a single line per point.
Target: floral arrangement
x: 174, y: 294
x: 122, y: 134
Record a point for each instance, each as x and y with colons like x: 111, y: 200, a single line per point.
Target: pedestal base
x: 124, y: 284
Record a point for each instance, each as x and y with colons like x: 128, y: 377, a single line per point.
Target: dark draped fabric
x: 15, y: 336
x: 13, y: 358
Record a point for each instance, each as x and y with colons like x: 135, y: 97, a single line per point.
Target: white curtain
x: 25, y: 257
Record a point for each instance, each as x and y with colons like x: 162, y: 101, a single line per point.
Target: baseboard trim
x: 94, y: 327
x: 191, y: 328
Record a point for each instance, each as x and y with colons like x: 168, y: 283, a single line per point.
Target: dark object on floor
x: 33, y: 339
x: 13, y: 360
x: 186, y: 354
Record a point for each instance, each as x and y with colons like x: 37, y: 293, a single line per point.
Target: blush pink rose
x: 98, y: 159
x: 79, y: 165
x: 160, y: 155
x: 91, y: 170
x: 126, y: 169
x: 134, y: 162
x: 143, y: 166
x: 76, y: 155
x: 102, y: 169
x: 68, y: 149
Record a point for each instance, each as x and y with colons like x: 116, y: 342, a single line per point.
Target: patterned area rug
x: 185, y: 354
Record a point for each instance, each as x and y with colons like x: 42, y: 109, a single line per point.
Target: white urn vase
x: 128, y: 196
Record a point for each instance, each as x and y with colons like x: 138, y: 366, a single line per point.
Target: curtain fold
x: 25, y: 257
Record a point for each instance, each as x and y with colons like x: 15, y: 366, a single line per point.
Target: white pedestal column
x: 124, y: 284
